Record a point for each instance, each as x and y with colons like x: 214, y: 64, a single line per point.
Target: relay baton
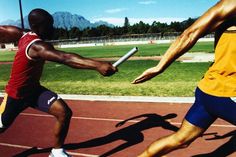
x: 125, y: 57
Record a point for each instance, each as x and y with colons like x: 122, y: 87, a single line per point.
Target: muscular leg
x: 183, y: 137
x: 9, y: 110
x: 63, y: 114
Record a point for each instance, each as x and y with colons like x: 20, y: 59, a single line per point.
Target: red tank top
x: 26, y: 72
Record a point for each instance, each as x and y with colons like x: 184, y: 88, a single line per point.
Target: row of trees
x: 138, y: 28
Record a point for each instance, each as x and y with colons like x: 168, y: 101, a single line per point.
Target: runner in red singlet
x: 24, y: 90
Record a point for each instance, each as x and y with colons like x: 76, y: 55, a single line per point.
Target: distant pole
x: 21, y: 16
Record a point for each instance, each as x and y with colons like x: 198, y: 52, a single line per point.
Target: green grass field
x: 6, y: 56
x: 117, y: 51
x: 179, y: 80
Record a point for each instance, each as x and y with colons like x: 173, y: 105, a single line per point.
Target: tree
x: 74, y: 33
x: 176, y: 26
x: 60, y: 33
x: 153, y: 28
x: 126, y: 25
x: 105, y: 30
x: 137, y: 28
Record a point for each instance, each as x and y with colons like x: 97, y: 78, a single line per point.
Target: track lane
x: 93, y: 130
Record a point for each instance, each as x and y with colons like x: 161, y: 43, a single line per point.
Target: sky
x: 113, y: 11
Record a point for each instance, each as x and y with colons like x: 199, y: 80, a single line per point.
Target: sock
x: 57, y: 150
x: 1, y: 125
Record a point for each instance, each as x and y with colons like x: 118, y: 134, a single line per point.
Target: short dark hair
x: 39, y: 16
x: 41, y: 22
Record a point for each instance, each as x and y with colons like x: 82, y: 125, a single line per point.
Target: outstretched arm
x: 10, y: 34
x: 43, y: 50
x: 136, y: 117
x: 207, y: 23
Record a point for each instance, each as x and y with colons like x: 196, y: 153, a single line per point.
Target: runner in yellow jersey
x: 220, y: 79
x: 215, y: 92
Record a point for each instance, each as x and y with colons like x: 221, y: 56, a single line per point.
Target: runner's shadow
x: 131, y: 135
x: 224, y: 150
x: 31, y: 151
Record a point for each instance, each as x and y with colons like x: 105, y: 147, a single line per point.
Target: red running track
x: 93, y: 131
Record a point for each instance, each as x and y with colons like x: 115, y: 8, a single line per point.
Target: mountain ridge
x: 63, y: 19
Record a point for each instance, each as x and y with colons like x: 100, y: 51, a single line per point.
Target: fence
x: 117, y: 40
x: 128, y: 37
x: 122, y: 40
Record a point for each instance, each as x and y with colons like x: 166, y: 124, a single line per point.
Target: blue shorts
x: 40, y: 99
x: 207, y: 108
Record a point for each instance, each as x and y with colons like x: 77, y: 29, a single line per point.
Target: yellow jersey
x: 220, y: 79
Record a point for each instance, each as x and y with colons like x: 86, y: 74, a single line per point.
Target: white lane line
x: 82, y: 118
x: 148, y: 99
x: 15, y: 145
x: 119, y: 120
x: 28, y: 147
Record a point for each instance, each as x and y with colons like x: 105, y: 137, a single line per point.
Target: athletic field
x: 145, y: 121
x: 179, y: 80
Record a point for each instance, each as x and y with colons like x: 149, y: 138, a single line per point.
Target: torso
x: 26, y: 72
x: 220, y: 79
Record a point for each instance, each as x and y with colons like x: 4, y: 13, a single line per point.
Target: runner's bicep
x: 45, y: 51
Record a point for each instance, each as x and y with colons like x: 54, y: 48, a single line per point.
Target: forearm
x: 79, y: 62
x: 181, y: 45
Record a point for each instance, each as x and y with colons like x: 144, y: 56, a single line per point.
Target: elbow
x: 59, y: 58
x: 187, y: 35
x: 190, y: 35
x: 65, y: 59
x: 68, y: 59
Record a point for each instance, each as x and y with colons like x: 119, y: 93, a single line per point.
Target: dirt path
x: 188, y: 57
x: 4, y: 63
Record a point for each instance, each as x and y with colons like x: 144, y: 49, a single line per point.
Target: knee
x: 183, y: 141
x: 65, y: 114
x: 185, y: 145
x: 68, y: 113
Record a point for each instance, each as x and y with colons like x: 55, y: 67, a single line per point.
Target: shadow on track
x: 131, y: 135
x: 224, y: 150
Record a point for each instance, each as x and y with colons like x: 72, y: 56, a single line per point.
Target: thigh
x: 198, y: 115
x: 223, y: 107
x: 42, y: 99
x: 10, y: 109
